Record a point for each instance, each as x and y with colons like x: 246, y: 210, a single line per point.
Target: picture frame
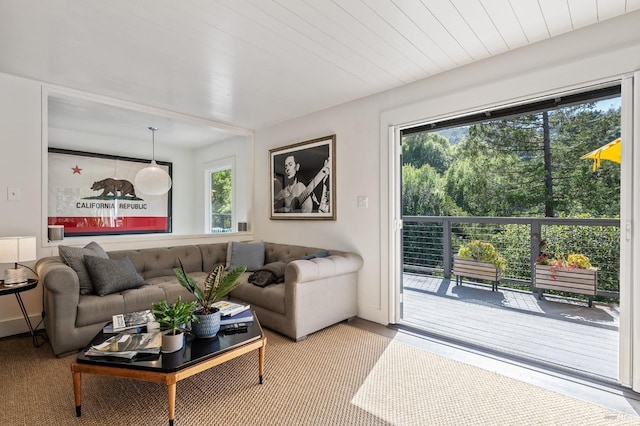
x: 94, y: 194
x: 303, y: 180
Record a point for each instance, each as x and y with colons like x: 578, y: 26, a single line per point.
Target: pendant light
x: 152, y: 180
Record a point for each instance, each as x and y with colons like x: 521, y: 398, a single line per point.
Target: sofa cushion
x: 270, y: 297
x: 160, y: 261
x: 74, y: 257
x: 213, y: 255
x: 94, y: 309
x: 249, y: 254
x: 112, y: 275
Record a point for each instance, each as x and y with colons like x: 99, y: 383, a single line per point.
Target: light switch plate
x: 363, y: 202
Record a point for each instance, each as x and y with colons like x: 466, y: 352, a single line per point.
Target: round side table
x: 17, y: 289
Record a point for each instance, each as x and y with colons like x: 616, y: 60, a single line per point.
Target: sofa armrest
x: 320, y: 292
x: 57, y: 277
x: 300, y: 271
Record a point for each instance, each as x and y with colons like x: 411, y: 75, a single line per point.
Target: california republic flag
x: 95, y: 194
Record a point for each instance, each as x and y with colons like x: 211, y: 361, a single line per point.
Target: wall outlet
x: 13, y: 194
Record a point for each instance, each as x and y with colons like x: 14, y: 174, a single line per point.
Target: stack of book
x: 233, y: 313
x: 133, y: 321
x: 228, y: 308
x: 127, y: 345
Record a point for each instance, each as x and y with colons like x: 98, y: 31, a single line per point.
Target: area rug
x: 342, y: 375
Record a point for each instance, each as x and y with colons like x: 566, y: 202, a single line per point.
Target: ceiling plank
x: 506, y: 22
x: 610, y: 8
x: 556, y: 15
x: 583, y: 12
x: 531, y: 20
x: 481, y: 24
x: 447, y: 15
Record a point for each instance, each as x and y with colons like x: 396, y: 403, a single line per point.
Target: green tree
x: 221, y: 199
x: 427, y: 148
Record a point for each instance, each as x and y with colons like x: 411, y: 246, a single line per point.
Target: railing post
x: 446, y: 247
x: 536, y: 237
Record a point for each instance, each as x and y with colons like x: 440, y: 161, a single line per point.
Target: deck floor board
x: 554, y: 330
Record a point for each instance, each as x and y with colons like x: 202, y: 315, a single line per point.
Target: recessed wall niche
x: 93, y: 124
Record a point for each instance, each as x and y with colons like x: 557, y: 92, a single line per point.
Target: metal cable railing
x: 429, y: 243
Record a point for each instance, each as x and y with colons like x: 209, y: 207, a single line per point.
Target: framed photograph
x: 94, y: 194
x: 304, y: 180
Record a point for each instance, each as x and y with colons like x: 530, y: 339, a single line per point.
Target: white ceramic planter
x: 171, y: 342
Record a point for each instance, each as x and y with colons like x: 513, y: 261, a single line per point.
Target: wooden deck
x: 554, y: 331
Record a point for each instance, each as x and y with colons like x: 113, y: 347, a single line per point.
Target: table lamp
x: 14, y: 250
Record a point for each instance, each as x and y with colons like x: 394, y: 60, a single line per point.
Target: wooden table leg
x: 261, y: 361
x: 171, y: 390
x: 77, y: 389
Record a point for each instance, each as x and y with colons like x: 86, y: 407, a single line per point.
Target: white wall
x: 586, y: 56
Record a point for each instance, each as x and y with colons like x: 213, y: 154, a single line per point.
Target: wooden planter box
x: 574, y: 280
x: 473, y: 269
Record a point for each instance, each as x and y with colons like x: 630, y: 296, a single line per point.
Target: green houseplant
x: 216, y: 286
x: 173, y: 320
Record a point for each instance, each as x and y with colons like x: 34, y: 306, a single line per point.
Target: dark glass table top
x: 194, y: 351
x: 17, y: 288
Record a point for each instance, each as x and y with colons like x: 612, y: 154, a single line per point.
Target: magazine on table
x: 130, y: 320
x: 228, y: 308
x: 127, y: 345
x: 244, y: 316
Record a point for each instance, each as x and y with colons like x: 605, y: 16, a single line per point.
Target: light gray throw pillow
x: 112, y: 275
x: 74, y: 257
x: 250, y: 254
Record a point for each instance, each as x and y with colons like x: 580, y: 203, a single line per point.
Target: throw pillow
x: 249, y: 254
x: 314, y: 255
x: 74, y: 257
x: 112, y: 275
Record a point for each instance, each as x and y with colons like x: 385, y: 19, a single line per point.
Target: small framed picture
x: 303, y: 180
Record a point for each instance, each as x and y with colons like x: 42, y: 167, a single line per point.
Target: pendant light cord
x: 153, y: 142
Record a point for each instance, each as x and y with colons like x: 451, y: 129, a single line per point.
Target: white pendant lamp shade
x: 152, y: 180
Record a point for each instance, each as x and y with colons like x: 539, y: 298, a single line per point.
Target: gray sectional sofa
x: 317, y: 291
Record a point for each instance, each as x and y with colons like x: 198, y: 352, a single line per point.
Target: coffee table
x: 196, y: 356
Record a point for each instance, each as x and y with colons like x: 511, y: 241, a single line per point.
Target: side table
x: 17, y: 289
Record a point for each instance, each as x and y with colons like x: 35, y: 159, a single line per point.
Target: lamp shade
x: 17, y: 249
x: 152, y: 180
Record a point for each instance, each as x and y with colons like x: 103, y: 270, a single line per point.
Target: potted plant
x: 573, y: 274
x: 479, y: 259
x: 173, y: 320
x: 216, y: 286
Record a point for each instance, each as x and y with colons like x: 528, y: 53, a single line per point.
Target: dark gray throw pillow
x: 249, y: 254
x: 112, y: 275
x: 315, y: 255
x: 74, y: 257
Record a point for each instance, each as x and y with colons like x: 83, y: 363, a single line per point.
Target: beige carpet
x: 340, y: 376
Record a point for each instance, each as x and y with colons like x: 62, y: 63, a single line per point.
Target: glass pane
x: 221, y: 202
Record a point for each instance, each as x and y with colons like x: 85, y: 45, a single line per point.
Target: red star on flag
x: 76, y: 169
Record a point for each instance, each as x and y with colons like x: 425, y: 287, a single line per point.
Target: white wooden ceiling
x: 252, y: 63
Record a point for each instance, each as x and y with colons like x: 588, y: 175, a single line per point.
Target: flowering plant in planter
x: 574, y: 260
x: 482, y: 251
